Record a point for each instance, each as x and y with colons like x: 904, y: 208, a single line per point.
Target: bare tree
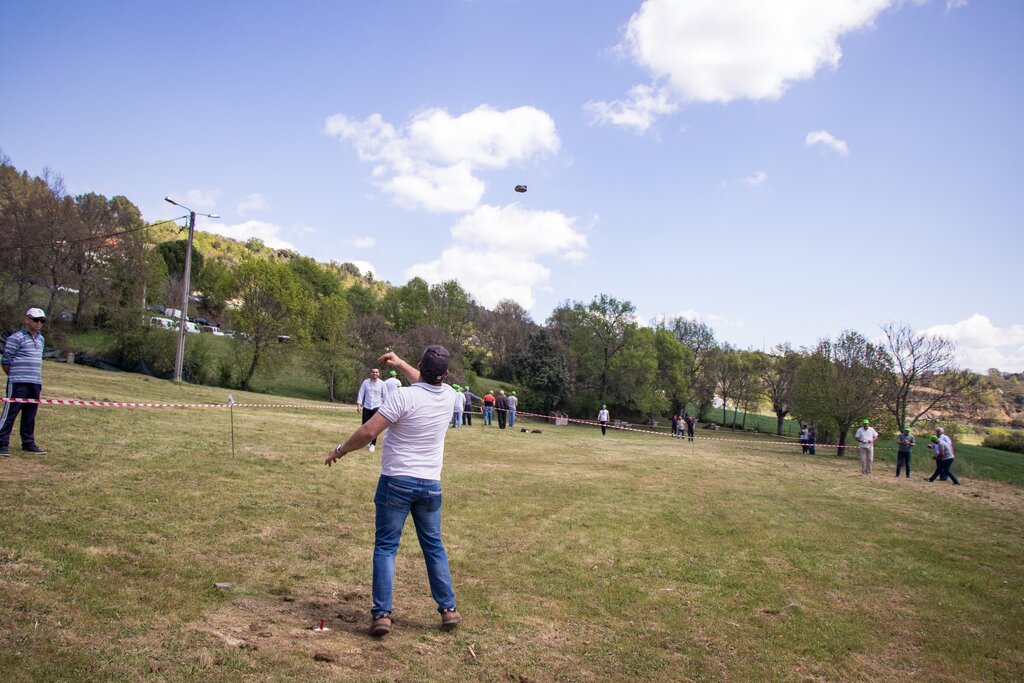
x: 925, y: 376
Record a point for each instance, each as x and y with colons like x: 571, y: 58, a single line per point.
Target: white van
x: 191, y: 328
x: 165, y: 323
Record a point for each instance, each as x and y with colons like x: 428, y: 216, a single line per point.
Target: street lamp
x: 179, y: 355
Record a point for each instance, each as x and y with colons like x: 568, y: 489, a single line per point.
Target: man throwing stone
x: 417, y: 420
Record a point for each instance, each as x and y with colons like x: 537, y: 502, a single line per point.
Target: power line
x: 97, y: 237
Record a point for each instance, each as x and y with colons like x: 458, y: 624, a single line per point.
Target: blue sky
x: 782, y: 171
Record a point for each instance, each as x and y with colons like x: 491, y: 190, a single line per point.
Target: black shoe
x: 33, y: 449
x: 5, y: 451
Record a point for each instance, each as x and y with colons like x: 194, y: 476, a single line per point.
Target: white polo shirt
x: 419, y: 417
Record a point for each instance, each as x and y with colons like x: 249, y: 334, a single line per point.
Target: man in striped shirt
x: 23, y: 364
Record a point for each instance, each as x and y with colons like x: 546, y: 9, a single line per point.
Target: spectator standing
x: 812, y: 438
x: 905, y: 442
x: 372, y: 393
x: 691, y: 422
x: 488, y: 407
x: 866, y: 437
x: 22, y: 361
x: 460, y: 405
x: 513, y: 404
x: 803, y: 439
x: 467, y: 415
x: 410, y: 480
x: 603, y: 416
x: 501, y: 406
x: 392, y: 382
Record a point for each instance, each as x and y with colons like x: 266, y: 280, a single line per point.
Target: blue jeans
x: 396, y: 498
x: 457, y: 420
x: 488, y: 413
x: 511, y: 418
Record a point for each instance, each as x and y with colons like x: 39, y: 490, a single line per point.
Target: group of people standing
x: 941, y: 444
x: 683, y: 426
x: 808, y: 439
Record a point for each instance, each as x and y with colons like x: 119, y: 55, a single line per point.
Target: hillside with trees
x: 95, y: 265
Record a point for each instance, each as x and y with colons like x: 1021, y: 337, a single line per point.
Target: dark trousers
x: 943, y: 469
x: 467, y: 417
x: 502, y: 415
x: 27, y: 410
x: 367, y: 414
x: 604, y: 425
x: 903, y: 460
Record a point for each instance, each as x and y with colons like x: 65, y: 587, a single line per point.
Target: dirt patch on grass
x: 284, y: 628
x: 27, y: 468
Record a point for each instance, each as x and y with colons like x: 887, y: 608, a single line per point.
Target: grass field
x: 574, y: 556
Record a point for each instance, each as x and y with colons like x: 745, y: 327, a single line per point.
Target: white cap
x: 35, y: 313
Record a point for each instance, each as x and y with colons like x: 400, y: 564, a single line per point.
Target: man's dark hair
x: 434, y: 364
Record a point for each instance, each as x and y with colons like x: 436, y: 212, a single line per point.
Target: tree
x: 675, y: 361
x: 842, y: 382
x: 331, y: 342
x: 700, y: 339
x: 273, y: 304
x: 407, y: 305
x: 778, y: 373
x: 542, y: 365
x: 597, y: 333
x: 449, y: 307
x: 320, y: 281
x: 504, y: 332
x: 925, y: 378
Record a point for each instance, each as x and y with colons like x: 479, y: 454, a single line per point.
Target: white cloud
x: 981, y: 345
x: 642, y: 106
x: 713, y: 319
x: 433, y: 161
x: 204, y: 201
x: 364, y: 242
x: 503, y: 261
x: 829, y: 141
x: 268, y: 232
x: 955, y: 4
x: 251, y: 203
x: 756, y: 179
x: 365, y: 267
x: 726, y: 50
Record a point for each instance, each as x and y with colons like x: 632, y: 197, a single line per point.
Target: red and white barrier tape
x: 519, y: 413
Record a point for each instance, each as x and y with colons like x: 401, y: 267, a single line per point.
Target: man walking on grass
x: 23, y: 365
x: 372, y: 393
x: 417, y: 420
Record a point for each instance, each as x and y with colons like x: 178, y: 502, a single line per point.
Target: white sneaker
x: 372, y: 448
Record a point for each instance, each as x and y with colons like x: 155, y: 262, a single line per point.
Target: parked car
x: 228, y: 333
x: 211, y: 329
x: 191, y: 328
x: 283, y: 338
x: 200, y: 320
x: 165, y: 323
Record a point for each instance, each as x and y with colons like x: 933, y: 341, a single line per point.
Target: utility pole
x: 179, y: 355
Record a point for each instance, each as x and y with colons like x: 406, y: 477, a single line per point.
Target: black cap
x: 434, y: 364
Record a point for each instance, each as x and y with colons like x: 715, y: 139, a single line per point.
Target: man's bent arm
x: 391, y: 359
x: 366, y: 433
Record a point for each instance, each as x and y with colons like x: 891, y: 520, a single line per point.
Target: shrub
x: 1005, y: 440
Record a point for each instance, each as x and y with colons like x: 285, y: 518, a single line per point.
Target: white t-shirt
x: 602, y: 415
x: 390, y: 384
x: 460, y: 402
x: 866, y: 436
x: 419, y: 417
